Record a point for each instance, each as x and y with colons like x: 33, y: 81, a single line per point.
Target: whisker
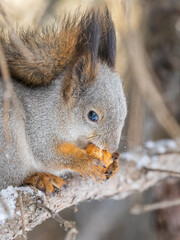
x: 124, y: 138
x: 133, y: 146
x: 92, y: 137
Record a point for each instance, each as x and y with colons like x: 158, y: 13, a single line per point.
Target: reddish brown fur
x: 83, y: 163
x: 51, y: 50
x: 86, y: 165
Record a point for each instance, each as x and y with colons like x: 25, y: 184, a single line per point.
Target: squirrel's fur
x: 59, y: 75
x: 51, y: 49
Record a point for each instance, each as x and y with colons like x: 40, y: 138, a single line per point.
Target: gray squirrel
x: 70, y: 96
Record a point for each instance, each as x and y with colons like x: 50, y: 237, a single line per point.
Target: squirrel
x: 70, y: 94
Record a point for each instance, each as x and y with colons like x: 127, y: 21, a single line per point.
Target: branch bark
x: 128, y: 180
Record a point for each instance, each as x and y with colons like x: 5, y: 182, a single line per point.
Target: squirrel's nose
x: 112, y: 146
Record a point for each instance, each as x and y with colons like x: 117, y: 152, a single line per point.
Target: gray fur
x: 48, y: 121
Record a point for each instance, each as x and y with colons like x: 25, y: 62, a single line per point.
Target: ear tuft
x: 107, y: 48
x: 97, y: 37
x: 89, y: 36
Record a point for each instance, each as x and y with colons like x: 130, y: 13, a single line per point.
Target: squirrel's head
x: 92, y: 89
x: 99, y: 110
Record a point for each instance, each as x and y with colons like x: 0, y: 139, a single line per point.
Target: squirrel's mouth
x: 83, y: 142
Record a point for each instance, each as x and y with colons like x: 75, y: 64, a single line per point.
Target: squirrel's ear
x: 78, y: 77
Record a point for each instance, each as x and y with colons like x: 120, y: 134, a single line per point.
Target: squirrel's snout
x: 112, y: 147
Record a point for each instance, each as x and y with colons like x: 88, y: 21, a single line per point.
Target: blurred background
x: 148, y: 61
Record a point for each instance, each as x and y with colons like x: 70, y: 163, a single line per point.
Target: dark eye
x: 93, y: 116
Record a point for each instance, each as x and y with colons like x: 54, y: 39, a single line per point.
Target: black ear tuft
x: 107, y: 49
x: 97, y: 37
x: 89, y: 36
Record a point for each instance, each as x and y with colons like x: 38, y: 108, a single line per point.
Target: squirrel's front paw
x: 92, y: 167
x: 45, y: 182
x: 112, y: 169
x: 110, y: 160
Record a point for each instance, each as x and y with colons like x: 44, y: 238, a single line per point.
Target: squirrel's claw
x: 98, y: 162
x: 112, y: 169
x: 45, y: 182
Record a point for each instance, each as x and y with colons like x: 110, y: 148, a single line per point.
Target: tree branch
x: 128, y: 180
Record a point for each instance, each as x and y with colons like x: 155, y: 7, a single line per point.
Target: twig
x: 139, y: 209
x: 63, y: 223
x: 151, y: 153
x: 22, y: 215
x: 172, y: 173
x: 72, y: 234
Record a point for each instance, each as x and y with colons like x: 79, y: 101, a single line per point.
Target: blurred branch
x: 136, y: 115
x: 17, y: 41
x: 47, y: 11
x: 143, y: 77
x: 71, y: 235
x: 7, y: 93
x: 11, y: 97
x: 129, y: 179
x: 139, y: 209
x: 170, y: 173
x: 144, y: 74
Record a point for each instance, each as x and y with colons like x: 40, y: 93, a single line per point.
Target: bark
x: 132, y: 177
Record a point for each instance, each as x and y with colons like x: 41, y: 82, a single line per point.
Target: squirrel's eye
x: 93, y: 116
